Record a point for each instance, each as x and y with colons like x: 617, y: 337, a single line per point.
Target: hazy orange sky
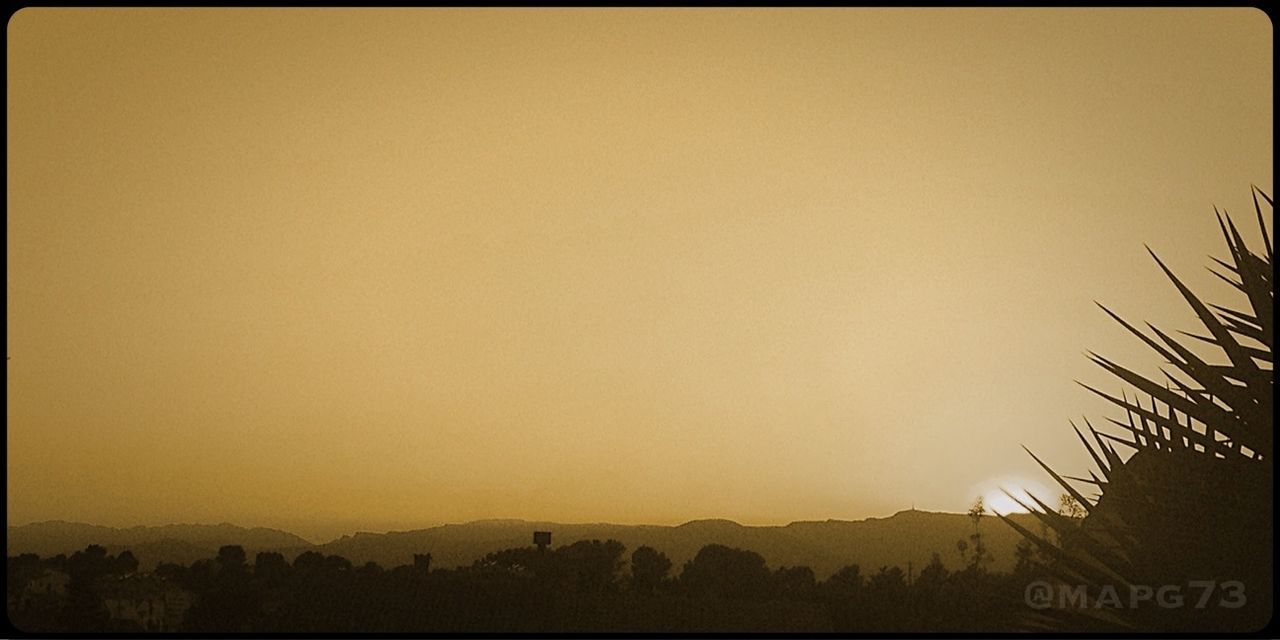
x: 328, y: 270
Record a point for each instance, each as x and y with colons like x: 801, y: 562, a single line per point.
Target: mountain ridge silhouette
x: 908, y: 536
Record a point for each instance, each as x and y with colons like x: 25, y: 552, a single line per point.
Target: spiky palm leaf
x: 1193, y: 501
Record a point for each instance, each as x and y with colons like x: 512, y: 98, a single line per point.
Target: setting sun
x: 996, y: 501
x: 1000, y: 503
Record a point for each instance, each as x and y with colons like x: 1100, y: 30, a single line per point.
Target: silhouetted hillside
x: 824, y: 546
x: 180, y: 543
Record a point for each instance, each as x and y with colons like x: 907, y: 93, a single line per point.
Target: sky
x: 334, y: 270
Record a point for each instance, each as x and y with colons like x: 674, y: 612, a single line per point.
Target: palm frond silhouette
x: 1191, y: 506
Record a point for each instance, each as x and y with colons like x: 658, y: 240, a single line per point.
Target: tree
x: 1070, y: 507
x: 980, y: 554
x: 1025, y: 558
x: 22, y: 569
x: 843, y: 595
x: 848, y: 578
x: 649, y: 569
x: 309, y: 561
x: 933, y: 575
x: 85, y: 610
x: 89, y: 564
x: 977, y: 511
x: 589, y: 565
x: 126, y: 563
x: 270, y: 566
x: 422, y: 562
x: 724, y: 572
x: 888, y: 580
x: 794, y: 583
x: 230, y: 595
x: 336, y: 564
x: 232, y: 558
x: 518, y: 561
x: 886, y: 600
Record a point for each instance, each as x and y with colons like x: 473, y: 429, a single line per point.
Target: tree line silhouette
x: 584, y: 586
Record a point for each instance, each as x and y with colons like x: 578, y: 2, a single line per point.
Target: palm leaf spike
x: 1231, y: 247
x: 1143, y: 439
x: 1102, y: 466
x: 1113, y: 458
x: 1241, y: 254
x: 1245, y: 262
x: 1254, y: 274
x: 1151, y: 343
x: 1245, y: 330
x: 1245, y: 326
x: 1196, y: 368
x: 1150, y: 424
x: 1230, y: 267
x: 1139, y: 435
x: 1211, y: 378
x: 1228, y: 344
x: 1234, y: 243
x: 1256, y: 353
x: 1266, y: 240
x: 1170, y: 433
x: 1110, y: 450
x: 1132, y: 444
x: 1095, y: 573
x: 1151, y: 421
x: 1255, y: 282
x: 1066, y: 485
x: 1094, y: 480
x: 1184, y: 439
x: 1102, y: 484
x: 1069, y: 531
x: 1138, y: 442
x: 1069, y: 568
x: 1166, y: 394
x: 1206, y: 408
x: 1132, y: 427
x: 1076, y: 573
x: 1227, y: 280
x: 1243, y: 318
x: 1176, y: 437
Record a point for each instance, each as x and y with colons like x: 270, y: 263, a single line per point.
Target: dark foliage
x: 1192, y: 500
x: 580, y: 587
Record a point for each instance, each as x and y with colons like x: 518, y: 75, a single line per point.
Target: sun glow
x: 996, y: 500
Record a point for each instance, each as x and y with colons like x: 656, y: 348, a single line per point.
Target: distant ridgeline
x: 908, y: 537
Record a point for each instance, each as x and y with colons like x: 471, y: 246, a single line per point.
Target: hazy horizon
x: 334, y: 532
x: 307, y: 269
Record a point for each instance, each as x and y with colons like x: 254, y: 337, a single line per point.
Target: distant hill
x: 184, y: 543
x: 824, y: 546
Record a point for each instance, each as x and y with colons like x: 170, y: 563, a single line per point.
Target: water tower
x: 542, y: 539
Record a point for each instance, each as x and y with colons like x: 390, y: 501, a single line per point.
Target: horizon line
x: 487, y: 520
